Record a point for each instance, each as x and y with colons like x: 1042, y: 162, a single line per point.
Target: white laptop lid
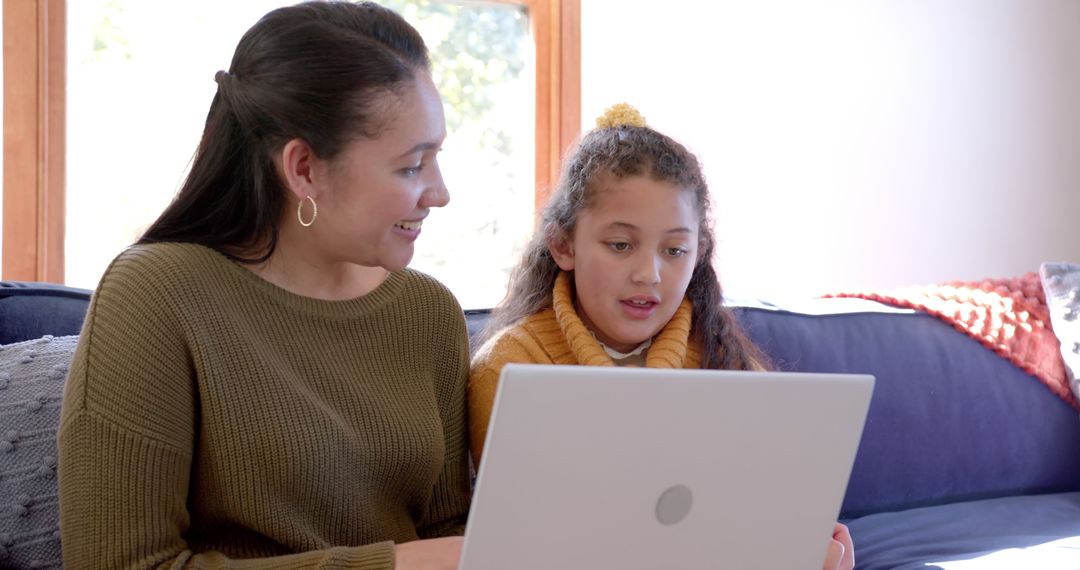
x: 628, y: 468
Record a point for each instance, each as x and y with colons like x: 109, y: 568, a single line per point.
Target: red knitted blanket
x: 1008, y: 315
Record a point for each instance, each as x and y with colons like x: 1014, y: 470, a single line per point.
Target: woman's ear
x: 295, y: 163
x: 562, y: 249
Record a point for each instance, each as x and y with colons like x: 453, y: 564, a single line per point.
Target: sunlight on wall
x: 860, y: 144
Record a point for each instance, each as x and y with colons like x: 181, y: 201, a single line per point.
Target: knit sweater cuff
x: 377, y: 556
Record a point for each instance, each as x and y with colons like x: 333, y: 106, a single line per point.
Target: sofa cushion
x: 32, y: 310
x: 949, y: 419
x: 475, y: 320
x: 1033, y: 531
x: 32, y: 376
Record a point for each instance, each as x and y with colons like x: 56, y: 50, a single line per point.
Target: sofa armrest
x: 949, y: 421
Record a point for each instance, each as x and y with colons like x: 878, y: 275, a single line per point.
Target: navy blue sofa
x: 965, y: 462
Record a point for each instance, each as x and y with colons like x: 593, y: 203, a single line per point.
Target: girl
x: 619, y: 274
x: 261, y: 382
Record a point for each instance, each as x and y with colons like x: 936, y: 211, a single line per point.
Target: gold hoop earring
x: 300, y: 209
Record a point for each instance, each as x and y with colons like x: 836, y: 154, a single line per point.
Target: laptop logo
x: 674, y: 504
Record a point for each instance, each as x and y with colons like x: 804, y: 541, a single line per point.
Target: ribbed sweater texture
x: 214, y: 420
x: 557, y: 335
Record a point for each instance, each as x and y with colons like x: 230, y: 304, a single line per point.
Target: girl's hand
x: 841, y: 553
x: 431, y: 554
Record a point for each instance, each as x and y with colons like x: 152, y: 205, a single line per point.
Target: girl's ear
x: 562, y: 249
x: 295, y: 163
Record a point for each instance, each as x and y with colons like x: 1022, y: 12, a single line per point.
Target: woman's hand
x: 841, y: 553
x: 431, y: 554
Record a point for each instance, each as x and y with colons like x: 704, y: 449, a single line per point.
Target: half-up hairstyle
x: 314, y: 71
x: 624, y: 149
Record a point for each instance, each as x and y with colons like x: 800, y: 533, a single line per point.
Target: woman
x: 260, y: 380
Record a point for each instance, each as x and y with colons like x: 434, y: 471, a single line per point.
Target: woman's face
x: 374, y: 196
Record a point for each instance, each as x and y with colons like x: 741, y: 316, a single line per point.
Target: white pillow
x: 32, y: 376
x: 1061, y: 283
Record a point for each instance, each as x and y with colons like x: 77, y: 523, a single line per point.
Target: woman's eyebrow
x: 422, y: 147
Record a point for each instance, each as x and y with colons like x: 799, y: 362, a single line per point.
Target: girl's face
x: 632, y: 253
x: 374, y: 196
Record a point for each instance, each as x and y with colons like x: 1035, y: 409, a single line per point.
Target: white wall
x: 854, y: 144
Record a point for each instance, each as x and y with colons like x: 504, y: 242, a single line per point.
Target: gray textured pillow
x: 32, y: 376
x: 1061, y: 283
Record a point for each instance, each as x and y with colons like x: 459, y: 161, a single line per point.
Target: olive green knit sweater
x: 210, y: 416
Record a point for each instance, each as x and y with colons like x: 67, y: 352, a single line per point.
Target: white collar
x: 621, y: 355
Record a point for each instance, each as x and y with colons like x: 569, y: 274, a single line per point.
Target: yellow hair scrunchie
x: 620, y: 115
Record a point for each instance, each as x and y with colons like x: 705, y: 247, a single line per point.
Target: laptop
x: 645, y: 468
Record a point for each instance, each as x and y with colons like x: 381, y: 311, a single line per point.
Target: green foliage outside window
x: 473, y: 47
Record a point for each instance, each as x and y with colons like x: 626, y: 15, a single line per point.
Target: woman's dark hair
x: 314, y: 71
x: 622, y: 152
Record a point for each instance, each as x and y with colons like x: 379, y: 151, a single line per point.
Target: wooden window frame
x: 35, y: 109
x: 556, y: 25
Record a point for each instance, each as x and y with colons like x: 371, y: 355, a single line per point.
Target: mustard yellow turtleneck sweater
x: 211, y: 417
x: 558, y: 336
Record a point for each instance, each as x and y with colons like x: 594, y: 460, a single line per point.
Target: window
x: 483, y: 62
x: 140, y: 79
x: 34, y: 110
